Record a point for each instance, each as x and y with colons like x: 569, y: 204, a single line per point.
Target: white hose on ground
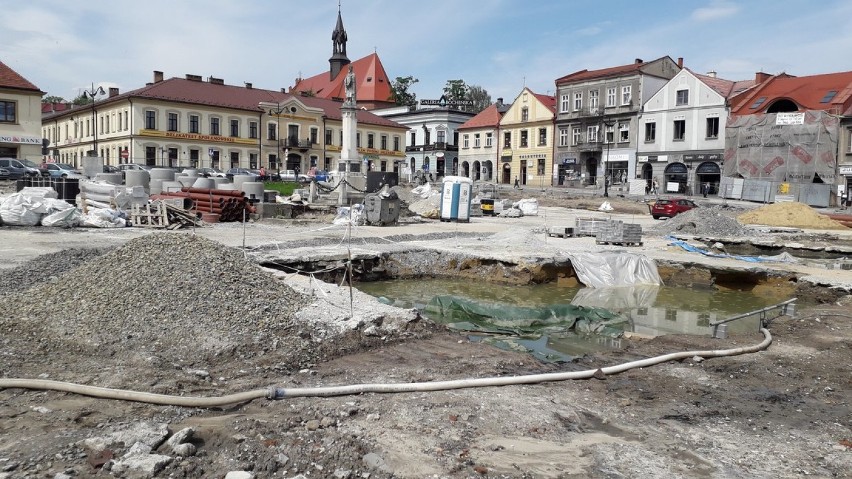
x: 282, y: 393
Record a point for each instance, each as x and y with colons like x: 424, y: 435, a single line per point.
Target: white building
x: 20, y: 117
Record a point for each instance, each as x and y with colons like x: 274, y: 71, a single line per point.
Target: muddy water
x: 650, y: 311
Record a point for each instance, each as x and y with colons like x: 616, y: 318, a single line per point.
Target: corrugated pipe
x: 283, y: 393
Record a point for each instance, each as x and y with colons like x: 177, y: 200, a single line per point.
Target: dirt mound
x: 792, y: 214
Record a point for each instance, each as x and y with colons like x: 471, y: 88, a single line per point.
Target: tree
x: 50, y: 99
x: 82, y: 99
x: 399, y: 91
x: 480, y: 97
x: 455, y: 90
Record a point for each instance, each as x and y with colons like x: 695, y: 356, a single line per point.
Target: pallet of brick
x: 561, y: 231
x: 588, y: 226
x: 620, y: 233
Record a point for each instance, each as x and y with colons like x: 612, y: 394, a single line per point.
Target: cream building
x: 526, y: 146
x: 479, y: 151
x: 20, y: 117
x: 193, y: 122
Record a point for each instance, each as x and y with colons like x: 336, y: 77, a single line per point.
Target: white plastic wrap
x: 605, y: 269
x: 528, y: 206
x: 344, y: 217
x: 21, y: 210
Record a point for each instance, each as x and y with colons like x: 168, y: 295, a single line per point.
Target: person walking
x: 517, y: 183
x: 654, y: 187
x: 705, y: 188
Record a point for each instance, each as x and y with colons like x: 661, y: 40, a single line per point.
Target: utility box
x: 381, y: 209
x: 376, y: 180
x: 456, y: 198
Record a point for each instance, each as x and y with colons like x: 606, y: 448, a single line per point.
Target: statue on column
x: 349, y: 83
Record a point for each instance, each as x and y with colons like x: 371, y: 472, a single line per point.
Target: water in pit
x: 650, y: 311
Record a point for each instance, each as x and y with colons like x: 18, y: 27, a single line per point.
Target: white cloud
x: 715, y: 11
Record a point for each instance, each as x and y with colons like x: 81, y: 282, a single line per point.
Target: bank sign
x: 24, y: 140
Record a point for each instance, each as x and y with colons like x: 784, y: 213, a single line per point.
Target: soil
x: 783, y: 412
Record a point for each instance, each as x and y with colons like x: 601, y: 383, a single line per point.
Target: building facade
x: 682, y: 133
x: 191, y: 122
x: 479, y: 151
x: 597, y: 120
x: 526, y: 141
x: 20, y: 117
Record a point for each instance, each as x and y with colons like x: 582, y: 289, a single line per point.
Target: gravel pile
x: 45, y: 268
x: 717, y: 221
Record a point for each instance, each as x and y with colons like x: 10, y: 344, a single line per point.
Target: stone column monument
x: 349, y: 165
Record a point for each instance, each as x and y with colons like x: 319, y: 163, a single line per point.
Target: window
x: 563, y: 137
x: 679, y: 130
x: 193, y: 123
x: 828, y: 96
x: 271, y: 131
x: 252, y: 129
x: 593, y: 100
x: 541, y: 166
x: 413, y: 138
x: 488, y: 137
x: 578, y: 101
x: 623, y: 132
x: 150, y: 120
x: 524, y: 139
x: 507, y: 139
x: 441, y: 136
x: 565, y: 103
x: 525, y: 114
x: 713, y: 127
x: 609, y: 133
x: 329, y: 136
x: 610, y: 96
x: 7, y: 112
x: 849, y: 135
x: 626, y: 94
x: 214, y: 126
x: 173, y: 122
x: 476, y: 140
x: 384, y: 142
x: 682, y: 98
x: 542, y: 137
x: 357, y: 140
x: 465, y: 141
x: 592, y: 134
x: 757, y: 103
x: 371, y: 140
x: 575, y: 136
x: 650, y: 131
x: 235, y: 128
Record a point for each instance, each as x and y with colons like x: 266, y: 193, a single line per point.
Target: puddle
x: 650, y: 311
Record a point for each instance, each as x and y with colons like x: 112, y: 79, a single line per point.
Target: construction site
x: 232, y: 338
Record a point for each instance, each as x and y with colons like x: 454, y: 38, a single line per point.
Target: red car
x: 669, y: 207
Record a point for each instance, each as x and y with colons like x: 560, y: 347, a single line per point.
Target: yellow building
x: 526, y: 143
x: 20, y: 117
x: 196, y: 122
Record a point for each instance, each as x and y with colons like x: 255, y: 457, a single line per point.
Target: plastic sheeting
x: 781, y: 258
x: 496, y: 318
x: 599, y: 270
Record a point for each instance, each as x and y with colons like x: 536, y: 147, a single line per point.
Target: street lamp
x: 162, y: 156
x: 607, y: 170
x: 92, y: 93
x: 277, y: 110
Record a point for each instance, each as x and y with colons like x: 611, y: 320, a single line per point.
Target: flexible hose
x: 282, y: 393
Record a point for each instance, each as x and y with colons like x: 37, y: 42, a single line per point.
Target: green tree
x: 399, y: 91
x: 81, y: 100
x: 455, y: 90
x: 480, y: 97
x: 49, y: 99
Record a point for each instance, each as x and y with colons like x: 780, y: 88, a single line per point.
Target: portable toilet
x: 455, y: 198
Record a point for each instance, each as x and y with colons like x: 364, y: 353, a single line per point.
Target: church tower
x: 338, y: 58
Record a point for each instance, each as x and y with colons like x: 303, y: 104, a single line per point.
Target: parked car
x: 19, y: 168
x: 290, y: 175
x: 62, y: 170
x: 671, y: 207
x: 211, y: 173
x: 4, y: 174
x: 320, y: 175
x: 125, y: 167
x: 231, y: 173
x: 111, y: 169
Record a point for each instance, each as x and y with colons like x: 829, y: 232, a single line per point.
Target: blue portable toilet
x: 455, y: 198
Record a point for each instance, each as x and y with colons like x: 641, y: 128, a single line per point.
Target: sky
x: 65, y: 47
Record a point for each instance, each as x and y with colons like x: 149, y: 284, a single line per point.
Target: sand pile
x: 790, y: 214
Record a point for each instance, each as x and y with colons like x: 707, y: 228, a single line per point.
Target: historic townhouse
x: 192, y: 122
x: 682, y: 133
x: 596, y: 120
x: 20, y: 117
x: 527, y: 141
x: 479, y: 151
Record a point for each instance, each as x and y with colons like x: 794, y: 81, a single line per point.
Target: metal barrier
x: 720, y: 329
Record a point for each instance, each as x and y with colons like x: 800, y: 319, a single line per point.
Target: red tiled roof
x: 726, y: 88
x: 194, y: 92
x: 547, y: 100
x: 602, y: 73
x: 808, y: 92
x: 373, y: 83
x: 55, y: 107
x: 11, y: 79
x: 488, y: 117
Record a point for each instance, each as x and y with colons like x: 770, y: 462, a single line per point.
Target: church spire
x: 338, y: 56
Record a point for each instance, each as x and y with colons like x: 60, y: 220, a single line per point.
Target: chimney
x: 283, y: 90
x: 113, y: 91
x: 191, y: 77
x: 637, y: 61
x: 215, y: 81
x: 680, y: 62
x: 158, y: 76
x: 248, y: 86
x: 761, y: 77
x: 711, y: 74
